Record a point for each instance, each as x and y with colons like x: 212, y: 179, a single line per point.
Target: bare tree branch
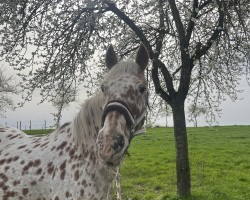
x: 191, y: 23
x: 200, y: 52
x: 132, y: 25
x: 178, y: 23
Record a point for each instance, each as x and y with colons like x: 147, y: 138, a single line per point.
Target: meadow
x: 219, y: 161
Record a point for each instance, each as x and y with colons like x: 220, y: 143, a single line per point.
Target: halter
x: 121, y: 107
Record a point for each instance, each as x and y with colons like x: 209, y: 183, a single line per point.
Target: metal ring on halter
x: 122, y: 108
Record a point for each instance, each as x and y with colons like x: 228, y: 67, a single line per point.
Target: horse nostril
x: 118, y: 143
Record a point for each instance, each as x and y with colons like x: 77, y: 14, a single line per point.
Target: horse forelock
x: 123, y: 67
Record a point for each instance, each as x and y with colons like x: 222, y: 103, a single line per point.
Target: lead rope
x: 118, y: 184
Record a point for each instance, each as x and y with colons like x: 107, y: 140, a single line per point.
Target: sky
x: 233, y: 113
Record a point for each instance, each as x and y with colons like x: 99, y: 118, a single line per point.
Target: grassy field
x: 38, y: 132
x: 219, y: 161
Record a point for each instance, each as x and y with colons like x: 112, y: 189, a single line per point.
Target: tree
x: 6, y: 89
x: 61, y: 101
x: 199, y: 49
x: 195, y: 112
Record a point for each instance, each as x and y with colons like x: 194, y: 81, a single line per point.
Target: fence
x: 30, y: 125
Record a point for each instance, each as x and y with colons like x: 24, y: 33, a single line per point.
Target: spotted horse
x: 78, y: 161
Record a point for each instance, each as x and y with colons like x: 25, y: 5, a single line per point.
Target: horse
x: 78, y: 161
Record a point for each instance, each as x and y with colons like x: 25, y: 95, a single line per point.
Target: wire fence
x: 30, y: 124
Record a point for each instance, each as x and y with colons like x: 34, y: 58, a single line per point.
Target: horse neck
x: 87, y: 122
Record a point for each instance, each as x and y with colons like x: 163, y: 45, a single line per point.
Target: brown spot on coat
x: 71, y: 153
x: 15, y: 158
x: 50, y: 167
x: 5, y: 187
x: 41, y: 178
x: 76, y: 176
x: 44, y: 144
x: 37, y: 145
x: 28, y: 151
x: 62, y: 168
x: 8, y: 160
x: 2, y: 161
x: 14, y: 136
x: 6, y: 168
x: 63, y: 165
x: 21, y: 147
x: 4, y: 177
x: 32, y: 183
x: 62, y: 175
x: 16, y: 182
x: 25, y: 191
x: 36, y: 163
x: 82, y: 192
x: 9, y: 194
x: 62, y: 145
x: 67, y: 194
x: 67, y: 148
x: 1, y: 184
x: 39, y: 171
x: 2, y: 130
x: 84, y: 182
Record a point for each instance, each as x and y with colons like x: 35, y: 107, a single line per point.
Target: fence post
x: 17, y: 124
x: 30, y: 124
x: 45, y: 124
x: 20, y: 126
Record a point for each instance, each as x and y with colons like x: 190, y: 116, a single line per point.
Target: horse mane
x: 87, y: 122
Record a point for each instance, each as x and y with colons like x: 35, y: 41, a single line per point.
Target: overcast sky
x: 233, y: 113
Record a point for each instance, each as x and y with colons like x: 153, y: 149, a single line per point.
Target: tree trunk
x: 181, y: 145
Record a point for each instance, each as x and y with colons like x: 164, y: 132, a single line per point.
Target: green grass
x: 219, y: 162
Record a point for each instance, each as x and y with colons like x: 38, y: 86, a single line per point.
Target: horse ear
x: 111, y: 58
x: 142, y: 57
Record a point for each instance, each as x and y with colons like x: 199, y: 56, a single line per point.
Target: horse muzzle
x: 111, y: 147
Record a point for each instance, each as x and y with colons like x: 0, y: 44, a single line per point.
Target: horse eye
x: 142, y: 89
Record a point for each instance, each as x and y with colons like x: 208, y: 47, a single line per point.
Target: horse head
x: 125, y: 95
